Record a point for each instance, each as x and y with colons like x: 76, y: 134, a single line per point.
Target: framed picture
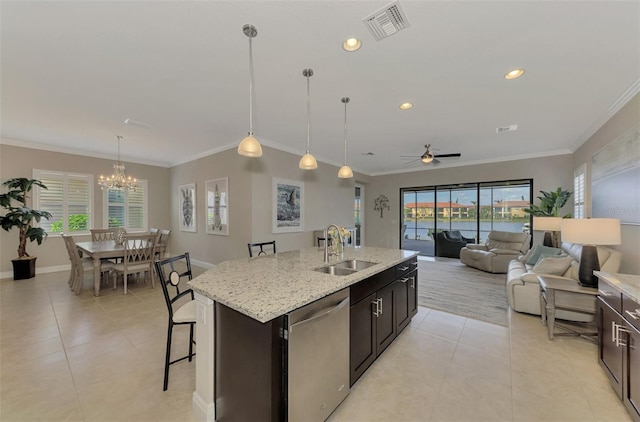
x: 187, y: 211
x: 217, y: 203
x: 288, y: 206
x: 615, y: 172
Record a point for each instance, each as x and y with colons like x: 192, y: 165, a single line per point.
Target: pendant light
x: 249, y: 146
x: 345, y: 171
x: 308, y: 162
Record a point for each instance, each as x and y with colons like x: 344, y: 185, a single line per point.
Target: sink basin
x: 335, y: 270
x: 355, y: 264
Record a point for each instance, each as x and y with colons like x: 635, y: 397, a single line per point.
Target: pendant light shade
x: 308, y: 162
x: 345, y: 171
x: 249, y: 146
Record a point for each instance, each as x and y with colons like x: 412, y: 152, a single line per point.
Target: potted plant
x: 550, y: 204
x: 22, y: 217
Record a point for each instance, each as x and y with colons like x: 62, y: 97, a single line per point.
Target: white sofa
x: 523, y: 289
x: 495, y: 254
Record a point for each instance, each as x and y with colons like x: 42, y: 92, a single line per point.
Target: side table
x: 581, y: 299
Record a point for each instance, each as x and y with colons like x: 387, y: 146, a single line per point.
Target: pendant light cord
x: 250, y: 87
x: 345, y: 130
x: 308, y: 115
x: 119, y: 137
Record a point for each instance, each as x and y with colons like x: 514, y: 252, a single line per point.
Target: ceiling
x: 73, y: 71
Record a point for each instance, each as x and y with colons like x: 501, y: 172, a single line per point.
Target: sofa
x: 523, y: 289
x: 495, y: 254
x: 449, y: 243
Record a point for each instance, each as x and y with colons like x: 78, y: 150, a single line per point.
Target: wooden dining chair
x: 163, y: 242
x: 98, y: 235
x: 139, y: 255
x: 79, y: 265
x: 172, y: 274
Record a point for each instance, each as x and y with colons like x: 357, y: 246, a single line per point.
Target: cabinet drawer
x: 610, y: 295
x: 406, y: 267
x: 631, y: 311
x: 371, y: 285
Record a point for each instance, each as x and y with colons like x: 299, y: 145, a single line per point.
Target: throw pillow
x: 539, y: 250
x: 524, y: 258
x: 553, y: 266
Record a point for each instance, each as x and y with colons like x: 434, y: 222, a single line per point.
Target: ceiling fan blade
x: 412, y: 161
x: 409, y: 156
x: 448, y: 155
x: 435, y: 161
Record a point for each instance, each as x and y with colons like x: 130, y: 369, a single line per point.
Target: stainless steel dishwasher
x: 317, y: 358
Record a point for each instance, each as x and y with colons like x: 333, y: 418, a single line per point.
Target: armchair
x: 449, y: 243
x: 494, y: 255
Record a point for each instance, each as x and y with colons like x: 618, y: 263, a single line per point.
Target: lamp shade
x: 308, y: 162
x: 591, y: 231
x: 345, y: 172
x: 250, y: 147
x: 547, y: 223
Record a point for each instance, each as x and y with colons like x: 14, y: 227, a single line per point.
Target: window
x: 124, y: 208
x: 68, y: 199
x: 578, y: 191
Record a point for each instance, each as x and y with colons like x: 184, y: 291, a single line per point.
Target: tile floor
x: 81, y: 358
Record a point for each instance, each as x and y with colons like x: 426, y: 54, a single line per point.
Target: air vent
x: 386, y: 21
x: 509, y: 128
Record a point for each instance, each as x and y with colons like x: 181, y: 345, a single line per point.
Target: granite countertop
x: 269, y: 286
x: 628, y: 284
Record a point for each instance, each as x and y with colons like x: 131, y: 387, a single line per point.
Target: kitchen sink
x: 345, y: 267
x: 334, y: 270
x: 355, y: 264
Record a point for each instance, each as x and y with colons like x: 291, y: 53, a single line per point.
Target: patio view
x: 472, y: 208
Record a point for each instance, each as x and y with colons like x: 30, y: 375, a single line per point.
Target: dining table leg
x: 96, y: 275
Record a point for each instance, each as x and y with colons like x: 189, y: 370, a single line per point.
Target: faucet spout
x: 327, y: 252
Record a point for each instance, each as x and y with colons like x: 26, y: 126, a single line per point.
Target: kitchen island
x: 242, y: 305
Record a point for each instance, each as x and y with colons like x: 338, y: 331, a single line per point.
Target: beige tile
x: 456, y: 410
x: 483, y: 340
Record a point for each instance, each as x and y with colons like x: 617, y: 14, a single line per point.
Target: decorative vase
x: 119, y: 235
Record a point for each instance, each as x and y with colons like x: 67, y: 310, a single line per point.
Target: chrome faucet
x: 327, y: 253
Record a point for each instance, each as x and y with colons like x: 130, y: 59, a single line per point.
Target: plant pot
x: 24, y: 268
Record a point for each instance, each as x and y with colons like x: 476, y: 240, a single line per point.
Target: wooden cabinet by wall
x: 609, y: 354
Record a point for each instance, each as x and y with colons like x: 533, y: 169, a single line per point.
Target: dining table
x: 99, y: 250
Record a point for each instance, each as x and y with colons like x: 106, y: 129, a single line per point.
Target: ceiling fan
x: 429, y: 157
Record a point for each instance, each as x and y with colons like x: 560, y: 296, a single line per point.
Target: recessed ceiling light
x: 405, y: 106
x: 515, y: 73
x: 351, y: 44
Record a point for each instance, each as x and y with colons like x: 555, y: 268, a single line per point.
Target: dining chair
x: 153, y: 230
x: 139, y: 254
x: 163, y: 242
x: 98, y: 235
x: 180, y: 304
x: 261, y: 246
x: 79, y: 265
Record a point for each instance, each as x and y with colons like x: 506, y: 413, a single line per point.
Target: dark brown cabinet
x: 381, y: 307
x: 619, y: 345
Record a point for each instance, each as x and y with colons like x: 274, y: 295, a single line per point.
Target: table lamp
x: 589, y: 232
x: 551, y: 227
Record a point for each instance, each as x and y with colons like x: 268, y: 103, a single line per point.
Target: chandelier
x: 118, y: 180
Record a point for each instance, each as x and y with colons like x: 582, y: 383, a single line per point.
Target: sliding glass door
x: 474, y: 209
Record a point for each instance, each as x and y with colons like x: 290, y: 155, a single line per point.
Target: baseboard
x: 206, y: 412
x: 40, y: 270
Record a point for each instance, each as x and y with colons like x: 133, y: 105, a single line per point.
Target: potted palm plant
x: 20, y: 216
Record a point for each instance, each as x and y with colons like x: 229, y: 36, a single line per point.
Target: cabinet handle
x: 403, y: 280
x: 619, y: 342
x: 376, y: 312
x: 631, y: 314
x: 415, y: 263
x: 403, y: 268
x: 606, y: 294
x: 413, y: 282
x: 614, y: 332
x: 380, y: 305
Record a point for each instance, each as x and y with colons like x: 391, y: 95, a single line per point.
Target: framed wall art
x: 288, y: 206
x: 615, y: 173
x: 187, y: 210
x: 217, y: 203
